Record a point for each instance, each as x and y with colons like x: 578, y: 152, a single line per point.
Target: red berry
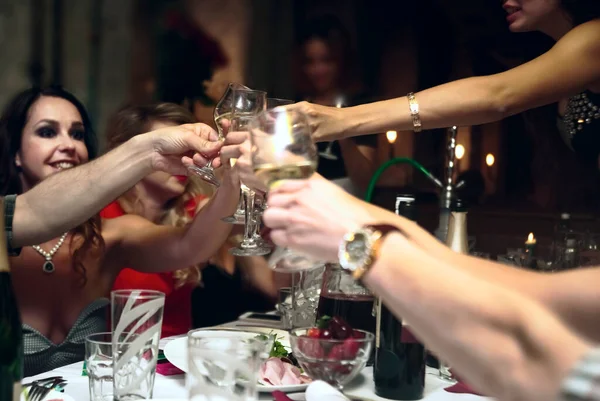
x: 325, y: 333
x: 337, y: 352
x: 351, y: 348
x: 339, y: 328
x: 310, y: 347
x: 313, y: 332
x: 358, y: 334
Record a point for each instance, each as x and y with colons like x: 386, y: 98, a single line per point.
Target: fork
x: 40, y: 388
x: 37, y: 392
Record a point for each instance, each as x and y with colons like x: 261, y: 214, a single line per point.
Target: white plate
x: 176, y: 351
x: 53, y: 395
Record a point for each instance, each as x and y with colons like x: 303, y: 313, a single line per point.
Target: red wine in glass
x: 357, y: 310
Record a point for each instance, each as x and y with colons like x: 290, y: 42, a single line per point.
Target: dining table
x: 172, y: 387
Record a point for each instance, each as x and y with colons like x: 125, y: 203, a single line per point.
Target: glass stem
x: 248, y: 214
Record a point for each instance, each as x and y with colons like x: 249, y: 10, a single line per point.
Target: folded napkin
x: 166, y: 368
x: 461, y: 388
x: 321, y: 391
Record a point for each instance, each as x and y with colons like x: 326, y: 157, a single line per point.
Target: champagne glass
x: 246, y: 105
x: 282, y: 149
x: 222, y: 111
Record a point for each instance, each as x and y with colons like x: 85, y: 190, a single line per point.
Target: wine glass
x: 222, y: 110
x: 282, y: 149
x: 246, y: 105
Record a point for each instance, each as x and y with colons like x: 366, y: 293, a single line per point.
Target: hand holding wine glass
x: 282, y: 149
x: 222, y: 111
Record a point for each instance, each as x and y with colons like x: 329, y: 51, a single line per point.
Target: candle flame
x: 459, y: 152
x: 530, y: 238
x: 391, y: 136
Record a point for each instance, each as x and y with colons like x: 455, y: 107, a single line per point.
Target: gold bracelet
x: 414, y: 111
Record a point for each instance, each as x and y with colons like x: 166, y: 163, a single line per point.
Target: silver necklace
x: 48, y: 266
x: 580, y: 111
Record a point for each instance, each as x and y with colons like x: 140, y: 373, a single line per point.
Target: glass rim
x: 369, y: 337
x: 281, y: 99
x: 249, y: 90
x: 144, y: 294
x: 89, y: 338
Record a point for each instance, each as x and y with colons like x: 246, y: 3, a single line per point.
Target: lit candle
x: 530, y: 245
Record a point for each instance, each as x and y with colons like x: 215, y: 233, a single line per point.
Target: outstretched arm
x: 312, y: 216
x: 571, y: 66
x: 148, y: 247
x: 67, y: 199
x: 495, y: 338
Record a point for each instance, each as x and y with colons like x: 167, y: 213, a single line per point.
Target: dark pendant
x: 48, y: 267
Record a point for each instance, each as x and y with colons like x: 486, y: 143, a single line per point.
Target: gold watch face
x: 355, y: 249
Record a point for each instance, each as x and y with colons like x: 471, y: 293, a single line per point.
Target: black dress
x: 581, y: 126
x: 223, y: 298
x: 334, y: 169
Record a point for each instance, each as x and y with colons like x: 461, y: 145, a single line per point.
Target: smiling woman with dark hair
x: 61, y: 285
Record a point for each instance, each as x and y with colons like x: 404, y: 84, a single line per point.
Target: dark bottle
x: 11, y: 337
x: 399, y: 371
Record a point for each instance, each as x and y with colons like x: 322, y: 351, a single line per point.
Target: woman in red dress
x: 162, y: 199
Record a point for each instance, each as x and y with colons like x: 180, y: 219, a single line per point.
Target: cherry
x: 339, y: 328
x: 310, y: 347
x: 325, y: 333
x: 351, y: 347
x: 313, y: 332
x: 337, y: 352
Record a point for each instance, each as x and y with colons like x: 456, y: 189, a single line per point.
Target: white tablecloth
x: 173, y: 387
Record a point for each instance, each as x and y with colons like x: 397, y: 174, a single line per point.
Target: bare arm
x: 67, y: 199
x: 572, y: 65
x: 495, y: 338
x: 147, y: 247
x: 360, y: 162
x: 572, y: 295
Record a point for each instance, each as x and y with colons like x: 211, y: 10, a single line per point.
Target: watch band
x: 379, y: 232
x: 9, y: 212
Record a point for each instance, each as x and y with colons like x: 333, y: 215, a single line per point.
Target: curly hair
x: 581, y: 11
x: 13, y: 120
x: 134, y: 120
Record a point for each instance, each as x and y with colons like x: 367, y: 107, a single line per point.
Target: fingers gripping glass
x: 222, y: 111
x: 282, y: 149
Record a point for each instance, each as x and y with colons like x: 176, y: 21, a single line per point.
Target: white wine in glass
x: 271, y: 173
x: 282, y: 149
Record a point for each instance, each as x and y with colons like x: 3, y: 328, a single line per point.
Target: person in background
x: 567, y: 74
x: 61, y: 284
x: 326, y: 75
x: 163, y: 199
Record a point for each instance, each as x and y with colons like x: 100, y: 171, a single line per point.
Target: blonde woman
x: 163, y: 199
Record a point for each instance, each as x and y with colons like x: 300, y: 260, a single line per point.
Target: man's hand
x: 172, y: 147
x: 312, y: 216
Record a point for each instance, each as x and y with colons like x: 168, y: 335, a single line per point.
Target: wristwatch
x: 359, y: 249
